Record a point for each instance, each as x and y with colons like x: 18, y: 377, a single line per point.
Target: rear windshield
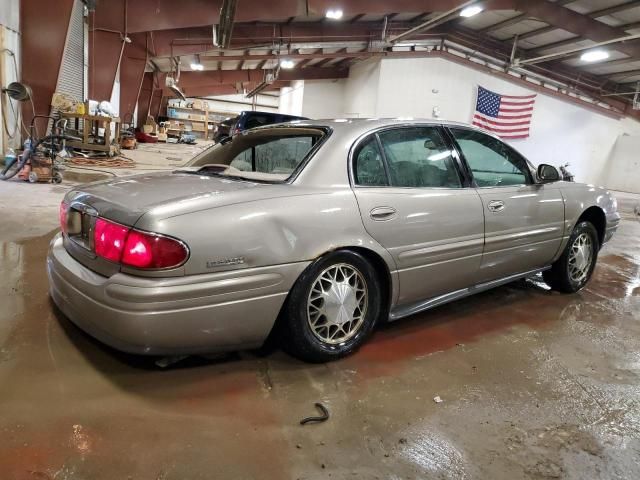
x: 268, y: 154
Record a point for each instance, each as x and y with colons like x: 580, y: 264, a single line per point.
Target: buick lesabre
x: 317, y: 231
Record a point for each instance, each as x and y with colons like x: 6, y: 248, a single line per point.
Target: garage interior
x: 515, y: 382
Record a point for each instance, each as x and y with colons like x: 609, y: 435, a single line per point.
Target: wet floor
x: 533, y: 385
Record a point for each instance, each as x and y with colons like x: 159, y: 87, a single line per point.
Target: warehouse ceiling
x: 284, y: 40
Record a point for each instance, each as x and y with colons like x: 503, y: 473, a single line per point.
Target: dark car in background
x: 249, y: 119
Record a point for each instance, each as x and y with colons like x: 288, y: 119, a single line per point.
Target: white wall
x: 623, y: 167
x: 361, y: 90
x: 323, y: 99
x: 291, y: 98
x: 560, y: 132
x: 237, y: 103
x: 10, y: 21
x: 115, y: 93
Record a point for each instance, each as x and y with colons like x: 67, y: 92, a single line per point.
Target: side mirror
x: 548, y: 173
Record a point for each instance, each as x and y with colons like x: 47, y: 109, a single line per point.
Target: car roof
x: 270, y: 114
x: 359, y: 126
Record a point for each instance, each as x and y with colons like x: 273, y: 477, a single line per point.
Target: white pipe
x: 543, y: 58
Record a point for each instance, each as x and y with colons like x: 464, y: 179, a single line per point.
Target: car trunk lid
x: 126, y: 200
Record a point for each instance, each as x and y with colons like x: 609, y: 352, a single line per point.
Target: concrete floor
x: 534, y: 385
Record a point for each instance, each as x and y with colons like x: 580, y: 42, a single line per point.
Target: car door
x: 524, y: 221
x: 414, y: 201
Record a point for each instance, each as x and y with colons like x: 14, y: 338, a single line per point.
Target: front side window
x: 492, y: 162
x: 419, y: 157
x: 271, y: 154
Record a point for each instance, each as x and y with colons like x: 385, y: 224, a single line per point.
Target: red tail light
x: 146, y: 250
x: 62, y: 215
x: 138, y: 249
x: 108, y: 239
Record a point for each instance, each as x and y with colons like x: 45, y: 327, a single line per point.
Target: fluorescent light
x: 287, y: 64
x: 471, y: 11
x: 196, y: 65
x: 594, y: 55
x: 334, y: 14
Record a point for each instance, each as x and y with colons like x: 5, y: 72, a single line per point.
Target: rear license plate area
x: 80, y: 228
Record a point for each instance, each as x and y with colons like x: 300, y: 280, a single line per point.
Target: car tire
x: 339, y: 294
x: 570, y: 272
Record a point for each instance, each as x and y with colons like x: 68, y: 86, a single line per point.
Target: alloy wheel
x: 580, y: 258
x: 337, y: 304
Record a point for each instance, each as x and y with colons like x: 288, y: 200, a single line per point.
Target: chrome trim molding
x: 404, y: 311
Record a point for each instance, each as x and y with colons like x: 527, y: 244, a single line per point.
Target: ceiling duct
x: 222, y: 32
x: 172, y: 82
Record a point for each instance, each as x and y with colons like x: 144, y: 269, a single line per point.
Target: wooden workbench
x: 90, y: 126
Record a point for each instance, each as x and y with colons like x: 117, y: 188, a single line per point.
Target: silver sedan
x: 316, y: 231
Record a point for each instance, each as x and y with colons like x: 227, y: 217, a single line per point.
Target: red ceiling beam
x: 220, y: 82
x: 293, y: 56
x: 154, y: 15
x: 231, y: 77
x: 378, y: 7
x: 187, y: 41
x: 313, y: 73
x: 167, y: 14
x: 575, y: 22
x: 42, y: 41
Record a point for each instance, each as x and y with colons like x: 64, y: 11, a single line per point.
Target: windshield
x: 269, y: 154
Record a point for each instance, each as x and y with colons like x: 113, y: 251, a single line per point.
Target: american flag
x: 507, y: 116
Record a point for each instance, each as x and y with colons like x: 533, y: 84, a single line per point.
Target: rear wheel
x: 332, y: 308
x: 573, y: 269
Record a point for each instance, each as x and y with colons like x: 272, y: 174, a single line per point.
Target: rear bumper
x: 168, y: 316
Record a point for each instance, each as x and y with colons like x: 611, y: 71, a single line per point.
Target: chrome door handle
x: 381, y: 214
x: 496, y: 205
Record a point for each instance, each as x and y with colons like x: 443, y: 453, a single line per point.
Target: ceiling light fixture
x: 287, y: 64
x: 334, y: 14
x: 470, y: 11
x: 594, y: 55
x: 196, y: 65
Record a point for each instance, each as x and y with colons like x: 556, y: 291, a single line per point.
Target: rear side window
x: 257, y: 121
x: 269, y: 154
x: 492, y: 162
x: 419, y: 157
x: 279, y: 156
x: 368, y: 166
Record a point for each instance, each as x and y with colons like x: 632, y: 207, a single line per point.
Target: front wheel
x: 332, y: 308
x: 573, y: 269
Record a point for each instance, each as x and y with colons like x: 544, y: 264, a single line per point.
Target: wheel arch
x: 596, y: 216
x: 374, y: 258
x: 382, y: 270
